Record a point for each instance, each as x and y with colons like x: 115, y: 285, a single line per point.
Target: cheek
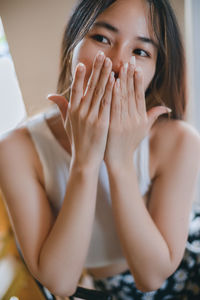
x: 148, y: 76
x: 82, y: 54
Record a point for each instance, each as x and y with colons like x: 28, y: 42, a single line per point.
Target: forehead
x: 128, y: 15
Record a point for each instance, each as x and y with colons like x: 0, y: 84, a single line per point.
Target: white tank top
x: 104, y: 246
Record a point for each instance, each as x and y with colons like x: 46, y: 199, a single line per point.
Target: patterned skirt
x: 183, y: 284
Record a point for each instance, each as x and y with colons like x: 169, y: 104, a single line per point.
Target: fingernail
x: 100, y: 55
x: 80, y: 67
x: 169, y: 109
x: 107, y: 62
x: 125, y: 67
x: 112, y: 77
x: 132, y: 60
x: 118, y: 83
x: 112, y: 74
x: 50, y: 96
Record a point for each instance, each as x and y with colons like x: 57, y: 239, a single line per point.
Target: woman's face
x: 121, y: 31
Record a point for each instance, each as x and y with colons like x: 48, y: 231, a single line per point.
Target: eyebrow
x: 147, y: 40
x: 116, y: 30
x: 107, y: 26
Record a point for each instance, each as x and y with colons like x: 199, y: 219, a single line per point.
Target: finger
x: 61, y: 102
x: 67, y: 126
x: 155, y: 112
x: 101, y: 87
x: 94, y: 77
x: 130, y: 86
x: 105, y: 106
x: 124, y: 93
x: 116, y: 103
x: 139, y: 91
x: 77, y: 86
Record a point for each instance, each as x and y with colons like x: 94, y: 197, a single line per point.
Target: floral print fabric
x: 184, y: 284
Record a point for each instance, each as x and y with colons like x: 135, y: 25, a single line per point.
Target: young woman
x: 108, y: 184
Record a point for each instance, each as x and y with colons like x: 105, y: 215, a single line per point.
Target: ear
x: 62, y: 103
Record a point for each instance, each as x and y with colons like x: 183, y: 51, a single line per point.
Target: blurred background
x: 30, y: 37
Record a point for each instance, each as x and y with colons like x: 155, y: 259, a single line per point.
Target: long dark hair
x: 168, y: 86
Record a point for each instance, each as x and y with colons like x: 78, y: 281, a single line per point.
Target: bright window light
x: 12, y: 109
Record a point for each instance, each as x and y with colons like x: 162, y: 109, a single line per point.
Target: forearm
x: 63, y: 254
x: 87, y: 122
x: 145, y: 248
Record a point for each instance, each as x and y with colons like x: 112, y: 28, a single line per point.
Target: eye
x: 141, y: 52
x: 101, y: 39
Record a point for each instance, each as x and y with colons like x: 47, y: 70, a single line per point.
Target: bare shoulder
x: 16, y: 136
x: 14, y: 144
x: 169, y: 132
x: 173, y: 138
x: 17, y: 151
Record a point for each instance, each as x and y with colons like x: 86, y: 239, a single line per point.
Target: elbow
x: 148, y: 287
x: 61, y: 291
x: 57, y: 285
x: 149, y: 284
x: 67, y: 292
x: 152, y: 279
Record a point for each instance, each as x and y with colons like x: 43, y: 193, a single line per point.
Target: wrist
x: 116, y: 165
x: 84, y: 167
x: 122, y: 173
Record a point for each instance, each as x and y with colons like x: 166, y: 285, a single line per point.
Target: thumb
x: 155, y: 112
x: 62, y: 103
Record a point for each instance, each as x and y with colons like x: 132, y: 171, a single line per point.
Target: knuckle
x: 109, y: 85
x: 98, y: 91
x: 98, y: 64
x: 115, y: 108
x: 91, y: 86
x: 81, y: 114
x: 106, y: 101
x: 91, y: 119
x: 139, y: 95
x: 70, y: 110
x: 124, y: 98
x: 130, y: 95
x: 130, y: 71
x: 75, y: 90
x: 130, y: 90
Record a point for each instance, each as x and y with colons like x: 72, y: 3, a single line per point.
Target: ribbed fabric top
x: 104, y: 246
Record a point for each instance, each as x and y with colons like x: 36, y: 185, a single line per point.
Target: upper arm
x: 28, y: 207
x: 174, y: 186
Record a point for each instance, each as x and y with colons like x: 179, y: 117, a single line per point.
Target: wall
x: 34, y: 30
x: 179, y: 8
